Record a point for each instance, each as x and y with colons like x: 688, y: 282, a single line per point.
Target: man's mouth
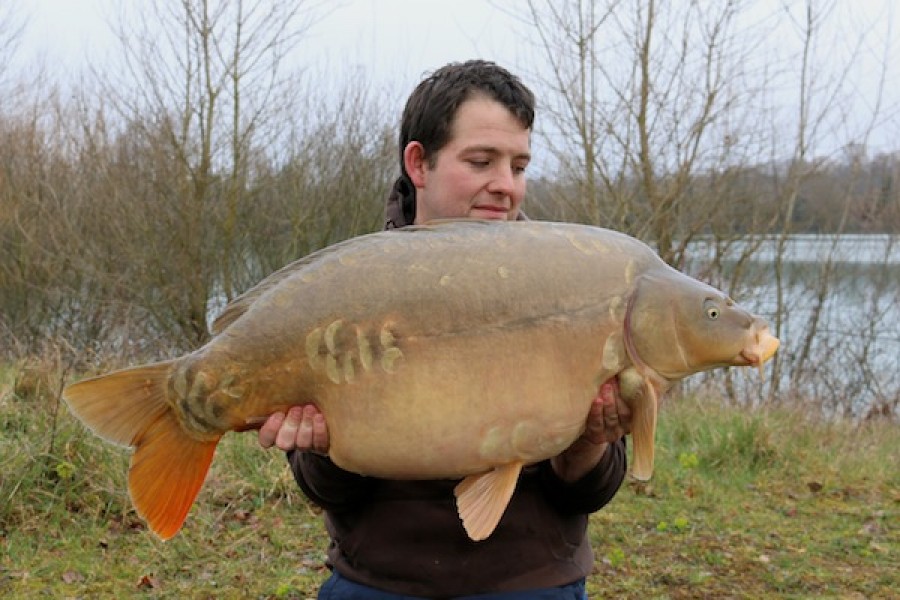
x: 492, y: 211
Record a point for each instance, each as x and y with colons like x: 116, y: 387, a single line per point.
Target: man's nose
x: 503, y: 181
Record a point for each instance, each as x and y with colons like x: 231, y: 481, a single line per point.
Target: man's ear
x: 415, y: 162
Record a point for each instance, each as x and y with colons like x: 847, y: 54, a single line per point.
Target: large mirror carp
x: 460, y: 349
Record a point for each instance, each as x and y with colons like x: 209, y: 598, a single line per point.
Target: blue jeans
x: 341, y: 588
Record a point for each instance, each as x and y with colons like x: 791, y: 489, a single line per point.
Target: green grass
x: 756, y: 504
x: 742, y: 505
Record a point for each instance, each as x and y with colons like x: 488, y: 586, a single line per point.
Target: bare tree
x: 329, y: 181
x: 200, y: 81
x: 12, y: 24
x: 824, y: 92
x: 644, y: 96
x: 128, y: 215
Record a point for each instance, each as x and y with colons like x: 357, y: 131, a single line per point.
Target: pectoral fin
x: 482, y: 499
x: 642, y: 397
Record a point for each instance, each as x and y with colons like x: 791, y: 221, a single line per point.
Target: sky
x: 394, y: 42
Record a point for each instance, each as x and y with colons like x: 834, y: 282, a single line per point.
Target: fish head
x: 677, y: 326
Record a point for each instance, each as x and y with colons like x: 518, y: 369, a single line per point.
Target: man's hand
x: 302, y: 428
x: 608, y: 420
x: 610, y: 417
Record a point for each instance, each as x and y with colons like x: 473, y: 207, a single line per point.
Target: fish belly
x: 463, y: 405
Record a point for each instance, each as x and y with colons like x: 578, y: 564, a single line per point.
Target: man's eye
x: 479, y: 163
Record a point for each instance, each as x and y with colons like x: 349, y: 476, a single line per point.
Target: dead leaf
x: 72, y: 577
x: 814, y: 486
x: 642, y: 488
x: 870, y: 527
x: 148, y: 582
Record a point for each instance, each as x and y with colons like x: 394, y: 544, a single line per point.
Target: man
x: 464, y: 148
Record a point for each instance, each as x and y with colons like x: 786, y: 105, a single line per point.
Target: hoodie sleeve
x: 593, y: 491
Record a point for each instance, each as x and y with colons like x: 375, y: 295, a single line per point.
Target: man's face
x: 480, y: 172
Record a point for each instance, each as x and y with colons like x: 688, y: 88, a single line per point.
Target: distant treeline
x: 855, y: 194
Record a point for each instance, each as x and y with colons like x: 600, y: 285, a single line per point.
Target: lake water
x: 834, y: 302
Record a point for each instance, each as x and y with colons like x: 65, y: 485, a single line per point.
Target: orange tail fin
x: 167, y: 470
x: 168, y: 465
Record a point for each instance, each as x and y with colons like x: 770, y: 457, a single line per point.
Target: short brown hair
x: 432, y: 107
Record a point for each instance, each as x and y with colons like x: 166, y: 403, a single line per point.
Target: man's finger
x: 320, y: 442
x: 287, y: 434
x: 609, y: 391
x: 304, y: 439
x: 269, y: 429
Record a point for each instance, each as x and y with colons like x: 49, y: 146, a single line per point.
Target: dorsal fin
x: 237, y: 307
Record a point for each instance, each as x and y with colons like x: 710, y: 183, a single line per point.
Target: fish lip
x: 749, y: 357
x: 758, y: 353
x: 767, y: 344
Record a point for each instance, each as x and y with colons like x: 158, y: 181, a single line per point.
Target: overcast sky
x: 395, y: 42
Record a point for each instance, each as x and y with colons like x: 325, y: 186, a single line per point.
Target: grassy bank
x: 742, y: 505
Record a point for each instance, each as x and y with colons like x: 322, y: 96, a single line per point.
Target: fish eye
x: 712, y: 311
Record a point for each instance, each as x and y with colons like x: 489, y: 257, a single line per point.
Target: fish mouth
x: 761, y: 350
